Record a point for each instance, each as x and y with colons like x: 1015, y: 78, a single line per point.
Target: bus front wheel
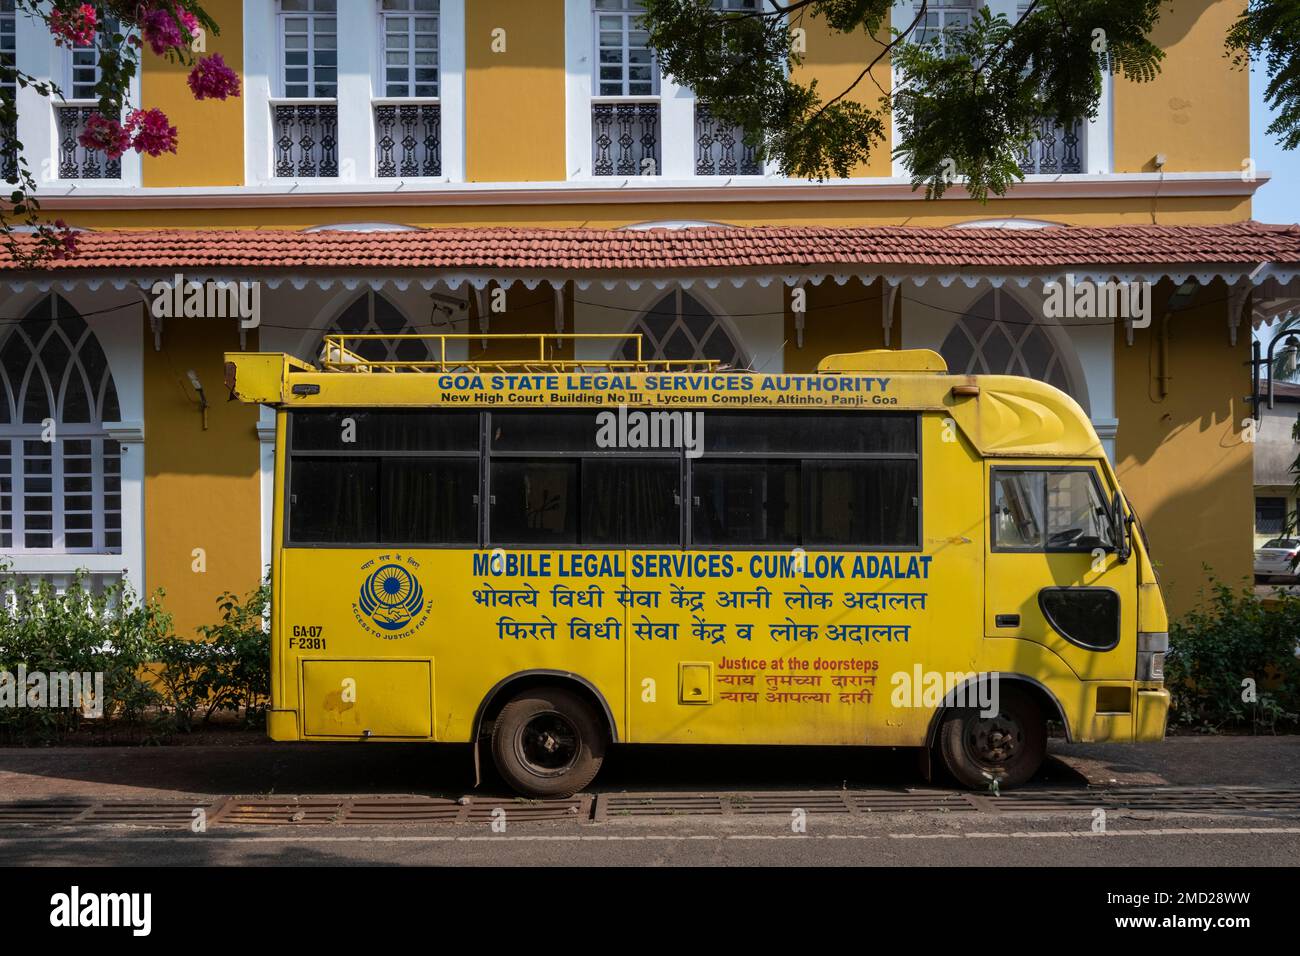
x: 548, y: 742
x: 1008, y: 747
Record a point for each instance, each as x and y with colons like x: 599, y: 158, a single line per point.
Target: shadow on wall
x: 1181, y: 454
x: 202, y: 487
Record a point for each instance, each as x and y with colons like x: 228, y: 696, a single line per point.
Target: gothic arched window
x: 60, y: 474
x: 998, y: 336
x: 372, y: 314
x: 679, y: 328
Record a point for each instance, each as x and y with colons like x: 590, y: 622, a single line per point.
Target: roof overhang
x: 1245, y: 255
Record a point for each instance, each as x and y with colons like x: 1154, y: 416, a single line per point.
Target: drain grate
x: 142, y: 814
x: 286, y: 812
x: 402, y: 811
x: 918, y: 800
x: 397, y: 811
x: 1220, y: 801
x: 623, y: 805
x: 33, y: 813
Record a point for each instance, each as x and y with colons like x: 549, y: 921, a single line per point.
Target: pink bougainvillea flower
x: 64, y: 240
x: 167, y: 26
x: 151, y: 132
x: 212, y: 79
x: 105, y: 135
x: 74, y: 28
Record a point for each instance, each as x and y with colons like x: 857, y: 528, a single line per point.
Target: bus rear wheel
x: 548, y: 742
x: 1008, y: 747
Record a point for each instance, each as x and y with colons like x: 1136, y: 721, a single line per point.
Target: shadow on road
x: 441, y: 770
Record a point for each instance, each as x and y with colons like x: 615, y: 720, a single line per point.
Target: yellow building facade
x: 364, y: 116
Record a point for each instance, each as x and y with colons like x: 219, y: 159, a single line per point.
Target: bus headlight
x: 1152, y: 646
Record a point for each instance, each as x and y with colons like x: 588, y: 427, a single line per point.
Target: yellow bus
x: 544, y: 557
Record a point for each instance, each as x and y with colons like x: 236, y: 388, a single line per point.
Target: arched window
x: 998, y: 336
x: 60, y: 474
x: 372, y: 314
x: 679, y: 328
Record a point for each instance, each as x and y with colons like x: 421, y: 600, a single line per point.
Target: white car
x: 1276, y: 559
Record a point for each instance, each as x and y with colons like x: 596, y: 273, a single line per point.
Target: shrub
x: 78, y: 630
x: 1215, y: 649
x: 153, y: 680
x: 231, y: 665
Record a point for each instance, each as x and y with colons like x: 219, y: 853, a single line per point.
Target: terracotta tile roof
x: 696, y: 249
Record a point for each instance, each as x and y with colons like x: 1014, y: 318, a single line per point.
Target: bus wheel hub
x: 995, y: 740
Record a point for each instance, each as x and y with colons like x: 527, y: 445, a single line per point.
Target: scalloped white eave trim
x: 142, y: 279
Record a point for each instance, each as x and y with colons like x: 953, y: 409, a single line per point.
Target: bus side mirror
x: 1123, y: 543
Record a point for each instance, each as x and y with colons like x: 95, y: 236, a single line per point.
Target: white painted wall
x: 38, y: 128
x: 359, y: 63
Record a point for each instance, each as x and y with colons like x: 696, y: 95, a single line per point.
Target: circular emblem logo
x: 391, y: 596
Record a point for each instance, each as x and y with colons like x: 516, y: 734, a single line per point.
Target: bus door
x: 1055, y: 572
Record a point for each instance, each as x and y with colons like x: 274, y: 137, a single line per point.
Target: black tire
x: 1009, y: 747
x: 548, y: 742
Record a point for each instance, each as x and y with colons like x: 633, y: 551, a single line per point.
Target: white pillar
x: 266, y: 475
x: 579, y: 45
x: 451, y: 87
x: 357, y: 23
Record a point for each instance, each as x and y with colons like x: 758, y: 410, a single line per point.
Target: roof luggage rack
x: 341, y: 353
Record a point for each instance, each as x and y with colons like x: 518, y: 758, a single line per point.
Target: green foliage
x: 1270, y: 30
x: 965, y: 106
x: 117, y: 56
x: 229, y: 669
x: 738, y: 64
x: 81, y: 630
x: 154, y: 681
x: 1236, y: 637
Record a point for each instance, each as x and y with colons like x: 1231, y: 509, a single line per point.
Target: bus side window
x: 1049, y: 510
x: 1077, y: 517
x: 1018, y: 510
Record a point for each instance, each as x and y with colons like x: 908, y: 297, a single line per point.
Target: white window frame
x: 311, y: 16
x: 381, y: 70
x: 18, y: 436
x: 122, y: 344
x: 628, y: 10
x: 945, y: 10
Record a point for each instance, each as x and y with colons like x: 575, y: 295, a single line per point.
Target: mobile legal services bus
x: 545, y: 557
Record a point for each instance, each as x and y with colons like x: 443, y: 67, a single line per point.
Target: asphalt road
x: 1069, y: 836
x: 905, y: 841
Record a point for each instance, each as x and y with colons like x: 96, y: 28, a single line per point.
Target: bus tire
x: 548, y: 742
x: 1008, y: 748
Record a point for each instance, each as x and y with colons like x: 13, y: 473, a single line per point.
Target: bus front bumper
x: 282, y: 724
x: 1152, y: 714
